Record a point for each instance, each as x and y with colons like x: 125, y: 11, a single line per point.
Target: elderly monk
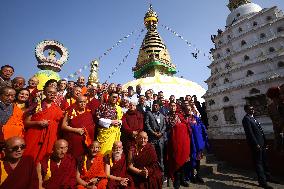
x: 132, y: 124
x: 109, y: 118
x: 42, y: 125
x: 178, y: 146
x: 116, y: 169
x: 17, y: 171
x: 93, y: 102
x: 57, y: 170
x: 143, y: 163
x: 78, y: 127
x: 18, y: 83
x: 91, y: 169
x: 15, y: 126
x: 7, y: 96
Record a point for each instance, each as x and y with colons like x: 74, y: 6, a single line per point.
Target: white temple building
x: 248, y: 59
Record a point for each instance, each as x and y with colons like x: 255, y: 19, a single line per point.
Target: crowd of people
x: 74, y: 134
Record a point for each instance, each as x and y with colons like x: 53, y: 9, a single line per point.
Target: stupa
x: 154, y: 68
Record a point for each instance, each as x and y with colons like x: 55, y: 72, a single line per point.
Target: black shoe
x: 199, y: 180
x: 265, y: 186
x: 193, y: 180
x: 184, y: 184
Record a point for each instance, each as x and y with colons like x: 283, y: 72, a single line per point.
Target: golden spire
x: 233, y: 4
x: 153, y: 57
x: 93, y: 77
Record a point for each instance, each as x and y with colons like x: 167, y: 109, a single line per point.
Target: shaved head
x: 60, y: 148
x: 13, y: 140
x: 60, y: 142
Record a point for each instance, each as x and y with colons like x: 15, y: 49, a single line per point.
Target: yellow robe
x: 107, y: 136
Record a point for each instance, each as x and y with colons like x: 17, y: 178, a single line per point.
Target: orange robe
x: 15, y: 125
x: 97, y: 169
x: 40, y: 140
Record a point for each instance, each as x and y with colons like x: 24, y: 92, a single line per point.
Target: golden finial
x: 151, y: 18
x: 233, y: 4
x: 93, y: 77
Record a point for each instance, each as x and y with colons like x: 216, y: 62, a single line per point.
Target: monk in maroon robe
x: 143, y: 164
x: 178, y: 146
x: 116, y: 169
x: 17, y: 171
x: 132, y: 124
x: 79, y: 128
x: 59, y: 169
x: 42, y: 126
x: 93, y: 102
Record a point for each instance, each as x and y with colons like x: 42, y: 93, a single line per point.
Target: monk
x: 132, y: 124
x: 42, y: 125
x: 91, y: 169
x: 15, y: 124
x: 178, y: 146
x: 7, y: 96
x: 17, y: 171
x: 57, y: 170
x: 143, y: 164
x: 109, y: 118
x: 116, y: 169
x: 93, y: 102
x: 78, y: 127
x: 81, y: 83
x: 69, y: 101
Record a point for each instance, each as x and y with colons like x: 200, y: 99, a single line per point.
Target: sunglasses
x: 16, y: 148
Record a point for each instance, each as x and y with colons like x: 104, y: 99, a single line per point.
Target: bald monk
x: 116, y: 169
x: 91, y: 169
x: 78, y: 127
x: 57, y: 170
x: 17, y: 171
x: 143, y: 164
x: 42, y: 125
x: 69, y: 101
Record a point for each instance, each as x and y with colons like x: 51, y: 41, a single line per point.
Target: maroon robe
x: 178, y: 144
x: 131, y: 121
x: 77, y: 146
x: 24, y: 176
x: 119, y: 169
x: 147, y: 158
x: 93, y: 105
x: 62, y: 177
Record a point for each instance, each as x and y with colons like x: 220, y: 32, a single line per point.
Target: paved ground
x: 225, y: 177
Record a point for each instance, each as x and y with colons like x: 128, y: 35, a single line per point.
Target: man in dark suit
x: 257, y: 143
x: 141, y: 106
x: 155, y: 126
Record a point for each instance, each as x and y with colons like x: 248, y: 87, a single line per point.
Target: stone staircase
x: 219, y: 175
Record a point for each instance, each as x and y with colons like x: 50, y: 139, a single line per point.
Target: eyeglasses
x: 16, y: 148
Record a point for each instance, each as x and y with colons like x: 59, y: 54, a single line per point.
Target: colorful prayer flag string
x: 197, y: 51
x: 126, y: 56
x: 85, y: 67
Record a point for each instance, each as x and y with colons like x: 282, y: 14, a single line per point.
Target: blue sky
x: 87, y: 28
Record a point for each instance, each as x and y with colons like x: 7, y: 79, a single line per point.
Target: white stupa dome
x: 169, y: 85
x: 241, y: 11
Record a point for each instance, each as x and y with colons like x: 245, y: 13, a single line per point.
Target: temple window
x: 215, y: 118
x: 211, y: 102
x: 213, y: 85
x: 228, y: 50
x: 226, y: 99
x: 262, y: 35
x: 243, y: 43
x: 226, y: 80
x: 249, y: 73
x: 240, y: 29
x: 218, y: 55
x: 229, y: 114
x: 268, y: 18
x: 246, y: 57
x: 271, y: 49
x: 254, y: 23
